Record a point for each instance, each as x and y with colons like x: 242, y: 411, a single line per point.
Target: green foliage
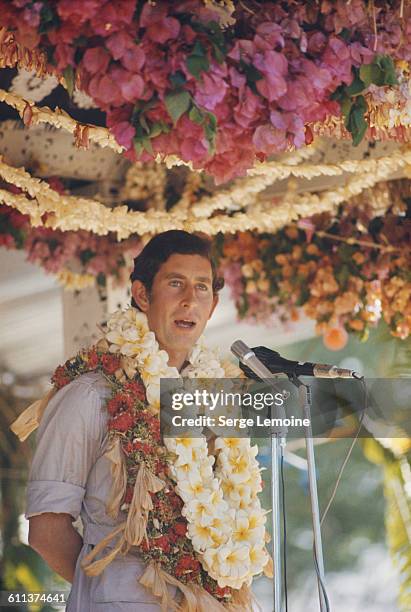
x: 198, y: 62
x: 48, y: 18
x: 381, y: 72
x: 215, y: 36
x: 397, y: 513
x: 355, y: 119
x: 177, y: 79
x: 177, y: 103
x: 251, y: 73
x: 208, y: 121
x: 398, y: 526
x: 350, y: 522
x: 145, y: 129
x: 210, y: 130
x: 353, y: 106
x: 68, y: 74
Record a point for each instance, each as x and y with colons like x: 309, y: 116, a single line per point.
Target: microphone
x: 250, y: 362
x: 274, y: 363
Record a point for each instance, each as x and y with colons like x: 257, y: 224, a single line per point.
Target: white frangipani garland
x: 226, y: 523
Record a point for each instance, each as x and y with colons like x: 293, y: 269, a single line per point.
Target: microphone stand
x: 304, y: 395
x: 278, y: 441
x: 277, y: 448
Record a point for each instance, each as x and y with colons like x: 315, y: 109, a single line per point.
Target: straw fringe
x: 203, y: 601
x: 30, y: 418
x: 244, y: 600
x: 94, y: 568
x: 268, y: 568
x: 115, y: 454
x: 141, y: 505
x: 154, y: 579
x: 196, y: 599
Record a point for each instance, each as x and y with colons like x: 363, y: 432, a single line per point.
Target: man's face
x: 181, y: 302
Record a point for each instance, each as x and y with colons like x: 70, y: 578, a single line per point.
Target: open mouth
x: 185, y: 323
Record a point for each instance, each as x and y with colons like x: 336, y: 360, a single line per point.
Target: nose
x: 188, y: 297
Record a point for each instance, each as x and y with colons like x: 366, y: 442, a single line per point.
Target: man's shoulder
x: 90, y: 381
x: 84, y: 399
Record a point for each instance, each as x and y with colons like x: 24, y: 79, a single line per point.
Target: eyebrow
x: 203, y: 279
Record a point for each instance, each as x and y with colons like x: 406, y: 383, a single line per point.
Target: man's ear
x: 140, y: 295
x: 215, y: 302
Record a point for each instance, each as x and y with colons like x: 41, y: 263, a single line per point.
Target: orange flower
x: 287, y: 271
x: 312, y: 249
x: 356, y: 324
x: 359, y: 258
x: 248, y: 246
x: 335, y: 338
x: 346, y: 303
x: 292, y: 232
x: 231, y: 250
x: 281, y: 259
x: 297, y: 252
x: 294, y: 314
x: 402, y: 330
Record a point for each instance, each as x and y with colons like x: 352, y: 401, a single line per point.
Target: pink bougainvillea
x: 173, y: 80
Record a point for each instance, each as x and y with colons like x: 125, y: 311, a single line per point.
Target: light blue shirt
x: 70, y: 474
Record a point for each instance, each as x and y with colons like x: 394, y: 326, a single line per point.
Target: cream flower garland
x: 72, y: 213
x: 226, y: 523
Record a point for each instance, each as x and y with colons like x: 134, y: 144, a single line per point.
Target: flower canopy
x: 222, y: 84
x: 237, y: 93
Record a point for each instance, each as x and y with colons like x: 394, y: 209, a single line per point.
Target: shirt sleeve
x: 69, y: 440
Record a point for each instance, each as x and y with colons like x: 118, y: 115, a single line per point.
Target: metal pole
x: 304, y: 392
x: 278, y: 441
x: 275, y: 517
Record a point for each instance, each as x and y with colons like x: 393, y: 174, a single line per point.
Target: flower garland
x: 203, y: 528
x: 347, y: 270
x: 78, y: 259
x: 83, y: 133
x: 218, y: 85
x: 72, y: 213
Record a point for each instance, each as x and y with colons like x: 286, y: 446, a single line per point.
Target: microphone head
x: 240, y: 349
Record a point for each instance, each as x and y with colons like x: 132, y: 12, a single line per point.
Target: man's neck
x: 177, y: 359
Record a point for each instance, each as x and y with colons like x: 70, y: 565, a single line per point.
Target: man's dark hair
x: 161, y: 247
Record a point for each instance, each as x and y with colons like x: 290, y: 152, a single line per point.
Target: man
x: 174, y: 283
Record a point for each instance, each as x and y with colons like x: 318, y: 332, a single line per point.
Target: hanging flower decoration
x: 216, y: 84
x: 78, y: 259
x: 348, y: 273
